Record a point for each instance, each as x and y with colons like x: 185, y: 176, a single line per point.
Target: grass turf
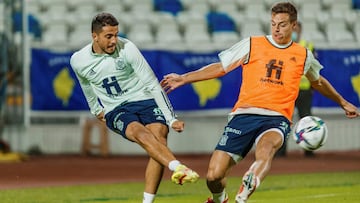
x: 294, y: 188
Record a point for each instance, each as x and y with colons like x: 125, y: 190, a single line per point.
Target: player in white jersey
x: 122, y: 90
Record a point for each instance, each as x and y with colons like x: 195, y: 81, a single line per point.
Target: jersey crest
x: 120, y: 63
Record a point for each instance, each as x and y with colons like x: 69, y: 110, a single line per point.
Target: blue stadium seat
x: 171, y: 6
x: 34, y: 24
x: 356, y: 4
x: 218, y: 21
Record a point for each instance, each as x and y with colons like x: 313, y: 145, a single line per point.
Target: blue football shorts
x: 243, y: 130
x: 144, y: 112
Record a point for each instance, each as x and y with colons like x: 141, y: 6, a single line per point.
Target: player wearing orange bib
x: 271, y: 81
x: 272, y: 69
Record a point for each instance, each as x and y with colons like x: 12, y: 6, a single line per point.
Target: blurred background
x: 43, y: 110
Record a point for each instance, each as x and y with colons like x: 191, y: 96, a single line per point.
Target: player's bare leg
x: 160, y: 152
x: 219, y: 167
x: 154, y: 170
x: 145, y: 138
x: 153, y: 175
x: 266, y: 148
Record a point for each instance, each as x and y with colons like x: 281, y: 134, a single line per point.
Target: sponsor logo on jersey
x: 273, y: 72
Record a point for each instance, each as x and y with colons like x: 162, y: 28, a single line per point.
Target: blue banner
x: 342, y: 70
x: 54, y: 85
x: 212, y: 94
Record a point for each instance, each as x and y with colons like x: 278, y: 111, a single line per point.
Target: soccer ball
x: 310, y: 133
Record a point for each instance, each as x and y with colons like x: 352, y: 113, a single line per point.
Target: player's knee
x: 214, y: 176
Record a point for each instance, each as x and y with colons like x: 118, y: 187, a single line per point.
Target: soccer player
x: 122, y: 90
x: 272, y: 69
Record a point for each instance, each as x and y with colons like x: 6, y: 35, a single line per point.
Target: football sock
x: 257, y: 181
x: 219, y: 197
x: 148, y: 198
x: 173, y: 164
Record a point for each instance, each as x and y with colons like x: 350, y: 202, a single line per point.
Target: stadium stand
x: 313, y: 33
x: 225, y: 39
x: 255, y: 11
x: 227, y: 8
x: 192, y: 4
x: 168, y: 33
x: 248, y: 17
x: 347, y: 4
x: 142, y: 33
x: 55, y: 35
x: 79, y: 35
x: 356, y: 30
x: 252, y: 27
x: 170, y: 6
x: 337, y: 32
x: 196, y: 34
x: 220, y: 22
x: 356, y: 4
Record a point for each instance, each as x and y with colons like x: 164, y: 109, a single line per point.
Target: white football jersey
x: 124, y: 76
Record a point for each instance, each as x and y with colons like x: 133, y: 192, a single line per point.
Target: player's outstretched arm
x: 325, y: 88
x: 350, y: 110
x: 172, y: 81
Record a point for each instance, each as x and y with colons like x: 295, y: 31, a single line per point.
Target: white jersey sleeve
x: 91, y: 97
x: 231, y: 56
x: 312, y: 66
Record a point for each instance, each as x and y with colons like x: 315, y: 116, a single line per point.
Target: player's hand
x: 171, y: 82
x: 101, y: 116
x: 350, y: 110
x: 178, y: 126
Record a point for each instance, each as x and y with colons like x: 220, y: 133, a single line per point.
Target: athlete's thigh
x: 274, y: 129
x: 153, y: 118
x: 119, y: 119
x: 159, y: 130
x: 136, y: 132
x: 270, y: 141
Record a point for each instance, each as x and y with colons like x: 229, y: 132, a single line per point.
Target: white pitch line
x: 307, y: 197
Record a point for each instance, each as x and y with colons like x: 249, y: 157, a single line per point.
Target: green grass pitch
x: 294, y: 188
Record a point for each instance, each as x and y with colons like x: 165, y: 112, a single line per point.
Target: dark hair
x: 101, y: 20
x: 285, y: 7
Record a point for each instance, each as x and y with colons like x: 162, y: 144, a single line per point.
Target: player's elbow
x: 317, y: 84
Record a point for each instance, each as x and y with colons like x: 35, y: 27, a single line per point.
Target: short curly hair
x: 101, y: 20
